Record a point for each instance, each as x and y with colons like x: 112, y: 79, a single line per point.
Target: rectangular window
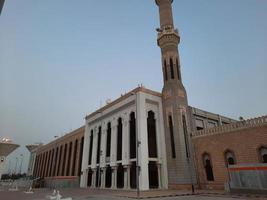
x: 199, y: 124
x: 211, y: 124
x: 172, y: 137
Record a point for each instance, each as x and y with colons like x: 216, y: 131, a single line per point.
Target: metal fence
x: 248, y: 177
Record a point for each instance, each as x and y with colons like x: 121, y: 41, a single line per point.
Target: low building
x: 242, y: 143
x: 58, y: 163
x: 6, y: 148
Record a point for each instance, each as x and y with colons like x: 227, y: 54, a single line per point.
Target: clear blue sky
x: 62, y: 59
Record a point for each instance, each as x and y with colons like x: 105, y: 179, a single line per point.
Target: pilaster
x: 125, y: 141
x: 113, y: 152
x: 143, y: 142
x: 114, y: 177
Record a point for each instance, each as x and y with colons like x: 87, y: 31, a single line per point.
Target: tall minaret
x: 174, y: 99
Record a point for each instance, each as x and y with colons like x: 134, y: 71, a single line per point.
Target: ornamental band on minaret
x: 174, y: 100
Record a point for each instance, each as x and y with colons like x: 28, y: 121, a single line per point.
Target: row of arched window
x: 230, y: 159
x: 172, y: 66
x: 151, y: 131
x: 58, y: 161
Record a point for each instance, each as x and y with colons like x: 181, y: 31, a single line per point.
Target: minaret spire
x: 166, y: 18
x: 174, y: 100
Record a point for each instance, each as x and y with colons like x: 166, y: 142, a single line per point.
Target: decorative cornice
x: 123, y: 97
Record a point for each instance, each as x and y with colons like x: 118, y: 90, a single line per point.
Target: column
x: 93, y: 178
x: 163, y: 158
x: 142, y: 138
x: 126, y: 177
x: 125, y: 141
x: 94, y: 152
x: 103, y: 145
x: 86, y: 148
x: 114, y: 178
x: 159, y: 175
x: 103, y: 177
x: 113, y: 152
x: 83, y: 179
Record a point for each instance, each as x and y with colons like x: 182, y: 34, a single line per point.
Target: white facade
x: 122, y: 108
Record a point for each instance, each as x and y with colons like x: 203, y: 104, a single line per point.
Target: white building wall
x: 123, y: 109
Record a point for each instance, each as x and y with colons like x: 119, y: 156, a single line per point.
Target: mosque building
x: 147, y: 139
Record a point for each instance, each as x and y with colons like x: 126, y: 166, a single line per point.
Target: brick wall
x: 48, y: 164
x: 244, y: 143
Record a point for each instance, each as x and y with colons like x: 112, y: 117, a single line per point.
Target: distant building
x: 6, y: 148
x: 32, y: 149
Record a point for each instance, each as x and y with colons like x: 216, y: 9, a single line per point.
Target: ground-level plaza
x: 98, y: 194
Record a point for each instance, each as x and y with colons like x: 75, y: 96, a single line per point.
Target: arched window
x: 59, y: 160
x: 185, y: 136
x: 119, y: 139
x: 208, y: 167
x: 263, y: 154
x: 91, y: 147
x: 132, y: 136
x: 172, y: 136
x: 64, y: 160
x: 69, y: 159
x: 98, y: 153
x: 151, y: 134
x: 172, y: 70
x: 74, y: 161
x: 178, y: 70
x: 108, y: 145
x: 229, y: 157
x: 165, y: 70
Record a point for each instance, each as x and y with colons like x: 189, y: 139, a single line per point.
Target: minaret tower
x: 174, y: 99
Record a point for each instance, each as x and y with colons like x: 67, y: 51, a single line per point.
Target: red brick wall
x: 244, y: 143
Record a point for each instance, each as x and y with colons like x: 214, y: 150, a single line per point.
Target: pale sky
x: 60, y: 60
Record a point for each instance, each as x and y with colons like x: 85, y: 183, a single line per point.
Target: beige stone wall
x: 245, y: 144
x: 47, y: 165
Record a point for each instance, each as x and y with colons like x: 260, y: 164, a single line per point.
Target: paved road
x: 81, y: 194
x: 165, y: 198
